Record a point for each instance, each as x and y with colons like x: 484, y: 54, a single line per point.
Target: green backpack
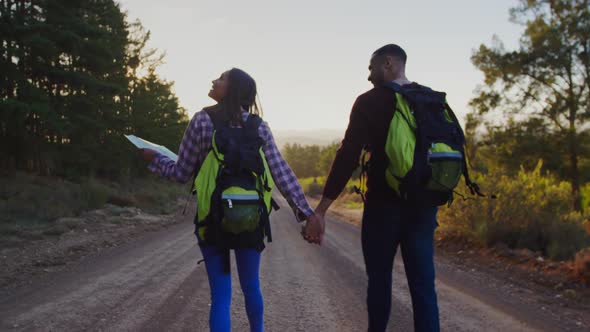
x: 234, y: 188
x: 425, y: 147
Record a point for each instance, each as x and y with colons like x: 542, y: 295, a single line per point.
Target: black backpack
x: 234, y: 188
x: 425, y: 147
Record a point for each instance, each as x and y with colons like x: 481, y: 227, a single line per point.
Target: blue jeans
x: 248, y: 262
x: 412, y: 228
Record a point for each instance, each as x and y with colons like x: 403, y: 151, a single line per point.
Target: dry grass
x: 532, y: 211
x: 30, y: 205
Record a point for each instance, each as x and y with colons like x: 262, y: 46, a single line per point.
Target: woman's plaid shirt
x: 195, y: 147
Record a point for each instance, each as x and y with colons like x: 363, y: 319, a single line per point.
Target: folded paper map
x: 140, y: 143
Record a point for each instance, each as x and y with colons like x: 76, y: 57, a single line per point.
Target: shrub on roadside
x: 93, y: 194
x: 532, y: 211
x: 30, y: 205
x: 312, y: 186
x: 314, y: 189
x: 351, y: 200
x: 585, y: 193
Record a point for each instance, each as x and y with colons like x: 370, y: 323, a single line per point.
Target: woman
x: 235, y: 94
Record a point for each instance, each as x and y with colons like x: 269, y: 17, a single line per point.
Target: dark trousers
x: 412, y: 228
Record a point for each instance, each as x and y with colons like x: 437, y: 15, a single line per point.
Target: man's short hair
x: 392, y: 50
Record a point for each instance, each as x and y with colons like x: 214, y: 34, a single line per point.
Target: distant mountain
x: 308, y: 137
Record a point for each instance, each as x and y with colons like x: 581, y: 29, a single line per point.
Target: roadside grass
x: 585, y: 192
x: 30, y: 204
x: 533, y: 211
x: 313, y: 186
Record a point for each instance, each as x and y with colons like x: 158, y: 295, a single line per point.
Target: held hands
x: 313, y: 231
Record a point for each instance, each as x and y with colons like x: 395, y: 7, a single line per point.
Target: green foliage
x: 547, y: 77
x: 314, y: 189
x: 327, y: 156
x: 586, y: 198
x: 313, y: 186
x: 303, y: 159
x: 76, y: 77
x: 312, y: 160
x: 532, y: 210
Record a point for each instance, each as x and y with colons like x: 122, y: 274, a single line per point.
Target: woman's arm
x: 283, y: 176
x: 184, y: 168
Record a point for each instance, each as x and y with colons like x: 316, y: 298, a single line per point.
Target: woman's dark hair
x: 241, y: 93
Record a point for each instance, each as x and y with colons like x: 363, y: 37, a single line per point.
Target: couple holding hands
x: 231, y: 136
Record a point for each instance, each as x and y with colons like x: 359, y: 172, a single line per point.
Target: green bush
x: 351, y: 200
x: 312, y: 186
x: 532, y: 210
x: 586, y: 198
x: 94, y: 194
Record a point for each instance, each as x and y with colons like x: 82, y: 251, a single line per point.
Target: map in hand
x: 140, y: 143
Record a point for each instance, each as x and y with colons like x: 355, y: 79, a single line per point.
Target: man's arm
x: 347, y: 156
x: 323, y: 206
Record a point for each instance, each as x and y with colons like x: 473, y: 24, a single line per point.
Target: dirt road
x: 155, y: 284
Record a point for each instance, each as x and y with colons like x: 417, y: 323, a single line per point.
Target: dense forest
x: 76, y: 76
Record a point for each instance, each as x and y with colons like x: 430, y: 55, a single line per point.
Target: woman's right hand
x: 148, y: 154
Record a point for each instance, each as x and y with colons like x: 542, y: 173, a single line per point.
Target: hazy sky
x: 310, y: 58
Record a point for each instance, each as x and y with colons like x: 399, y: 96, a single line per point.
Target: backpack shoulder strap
x: 406, y: 87
x: 417, y: 93
x: 252, y: 124
x: 393, y: 86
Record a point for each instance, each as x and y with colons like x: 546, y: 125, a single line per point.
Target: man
x: 387, y: 220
